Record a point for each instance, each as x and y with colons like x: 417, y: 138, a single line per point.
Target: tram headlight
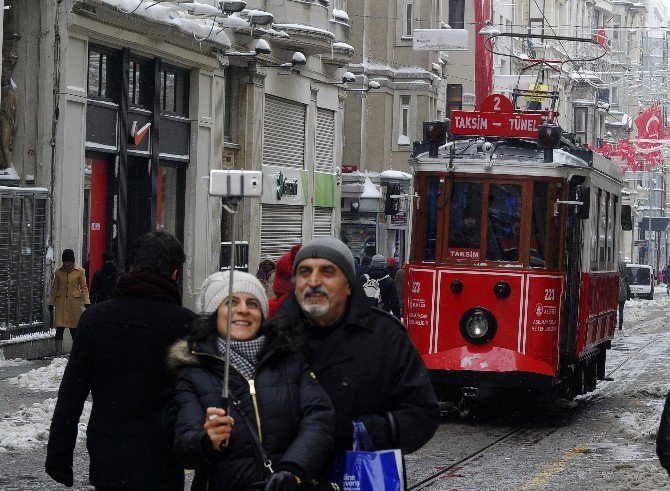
x: 478, y: 325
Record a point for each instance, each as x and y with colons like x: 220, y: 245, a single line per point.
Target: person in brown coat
x: 68, y: 293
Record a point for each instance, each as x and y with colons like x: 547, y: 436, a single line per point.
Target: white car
x: 641, y: 280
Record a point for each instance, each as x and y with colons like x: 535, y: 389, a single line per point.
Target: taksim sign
x: 495, y: 124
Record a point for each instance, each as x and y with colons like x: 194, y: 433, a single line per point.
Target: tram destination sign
x: 511, y: 125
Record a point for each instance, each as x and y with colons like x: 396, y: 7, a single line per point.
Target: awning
x: 658, y: 224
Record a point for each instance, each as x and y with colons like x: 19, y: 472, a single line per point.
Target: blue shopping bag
x: 367, y: 470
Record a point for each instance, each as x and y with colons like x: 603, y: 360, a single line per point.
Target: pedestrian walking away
x: 663, y: 437
x: 119, y: 357
x: 104, y: 280
x: 624, y: 291
x: 69, y: 294
x: 399, y: 281
x: 281, y: 418
x: 362, y: 356
x: 379, y: 287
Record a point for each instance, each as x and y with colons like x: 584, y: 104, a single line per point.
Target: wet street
x: 604, y: 440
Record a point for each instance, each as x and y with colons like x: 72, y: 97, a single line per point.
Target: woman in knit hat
x: 275, y: 399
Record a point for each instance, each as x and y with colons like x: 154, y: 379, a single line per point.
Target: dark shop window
x: 174, y: 91
x: 139, y: 83
x: 101, y: 66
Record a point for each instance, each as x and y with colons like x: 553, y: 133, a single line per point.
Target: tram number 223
x: 549, y: 294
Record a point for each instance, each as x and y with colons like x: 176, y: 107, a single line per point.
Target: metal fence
x: 23, y: 221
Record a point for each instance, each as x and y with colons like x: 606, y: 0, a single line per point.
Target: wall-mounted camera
x: 235, y: 183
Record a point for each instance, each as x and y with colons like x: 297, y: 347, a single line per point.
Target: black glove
x: 282, y: 481
x: 51, y: 308
x: 87, y: 305
x: 63, y: 476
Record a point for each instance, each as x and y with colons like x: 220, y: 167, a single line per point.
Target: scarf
x: 243, y: 354
x: 150, y: 285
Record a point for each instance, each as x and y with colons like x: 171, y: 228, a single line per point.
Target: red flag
x: 600, y: 37
x: 649, y: 123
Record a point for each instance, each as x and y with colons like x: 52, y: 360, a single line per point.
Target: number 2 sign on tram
x: 497, y: 118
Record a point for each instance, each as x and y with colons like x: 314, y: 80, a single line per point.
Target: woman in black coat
x: 276, y: 401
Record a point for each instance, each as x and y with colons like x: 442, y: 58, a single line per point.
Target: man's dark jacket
x: 372, y: 373
x: 663, y: 437
x: 104, y: 283
x: 387, y: 290
x: 119, y: 355
x: 296, y: 417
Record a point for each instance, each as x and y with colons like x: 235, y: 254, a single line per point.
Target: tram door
x: 95, y: 235
x: 573, y: 280
x: 139, y: 203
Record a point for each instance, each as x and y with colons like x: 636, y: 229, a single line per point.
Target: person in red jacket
x: 283, y: 281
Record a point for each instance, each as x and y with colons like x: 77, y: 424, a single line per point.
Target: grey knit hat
x: 332, y: 249
x: 378, y: 261
x: 215, y: 290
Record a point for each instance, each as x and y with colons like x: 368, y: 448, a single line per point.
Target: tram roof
x: 514, y: 156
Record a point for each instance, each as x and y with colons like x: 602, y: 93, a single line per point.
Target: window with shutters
x: 325, y: 138
x: 284, y: 133
x: 323, y: 221
x: 281, y: 228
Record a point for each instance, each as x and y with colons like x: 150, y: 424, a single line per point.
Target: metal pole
x: 651, y: 183
x: 231, y: 207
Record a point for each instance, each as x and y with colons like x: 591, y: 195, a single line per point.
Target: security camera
x: 348, y: 77
x: 262, y: 47
x: 488, y: 147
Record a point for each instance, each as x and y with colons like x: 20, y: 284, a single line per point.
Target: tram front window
x: 504, y: 223
x: 465, y: 221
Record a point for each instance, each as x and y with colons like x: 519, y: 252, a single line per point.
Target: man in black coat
x: 362, y: 356
x: 104, y: 280
x: 119, y: 356
x: 663, y: 437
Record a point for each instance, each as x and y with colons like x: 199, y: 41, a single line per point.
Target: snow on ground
x: 11, y: 363
x: 44, y: 378
x: 28, y: 428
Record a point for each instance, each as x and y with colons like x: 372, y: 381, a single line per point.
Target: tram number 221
x: 549, y: 294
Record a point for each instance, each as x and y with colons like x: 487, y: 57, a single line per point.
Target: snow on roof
x: 395, y: 174
x: 341, y: 14
x: 180, y: 16
x: 370, y: 190
x: 341, y: 45
x: 307, y: 29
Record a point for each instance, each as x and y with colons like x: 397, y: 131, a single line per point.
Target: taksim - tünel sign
x: 440, y: 40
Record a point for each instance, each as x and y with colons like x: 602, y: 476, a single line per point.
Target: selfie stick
x: 231, y: 207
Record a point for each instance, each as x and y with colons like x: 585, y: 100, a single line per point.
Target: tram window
x: 538, y: 226
x: 595, y: 221
x: 503, y: 223
x: 465, y: 213
x: 602, y: 230
x: 431, y: 219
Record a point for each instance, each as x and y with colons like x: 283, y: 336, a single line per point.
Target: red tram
x: 513, y: 275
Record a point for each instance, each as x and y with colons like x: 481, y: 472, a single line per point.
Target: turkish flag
x: 600, y: 37
x: 649, y: 123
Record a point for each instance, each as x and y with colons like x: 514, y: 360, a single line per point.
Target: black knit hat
x: 68, y: 255
x: 108, y: 257
x: 332, y: 249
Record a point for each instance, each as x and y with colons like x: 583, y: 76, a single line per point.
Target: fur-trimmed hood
x: 284, y: 335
